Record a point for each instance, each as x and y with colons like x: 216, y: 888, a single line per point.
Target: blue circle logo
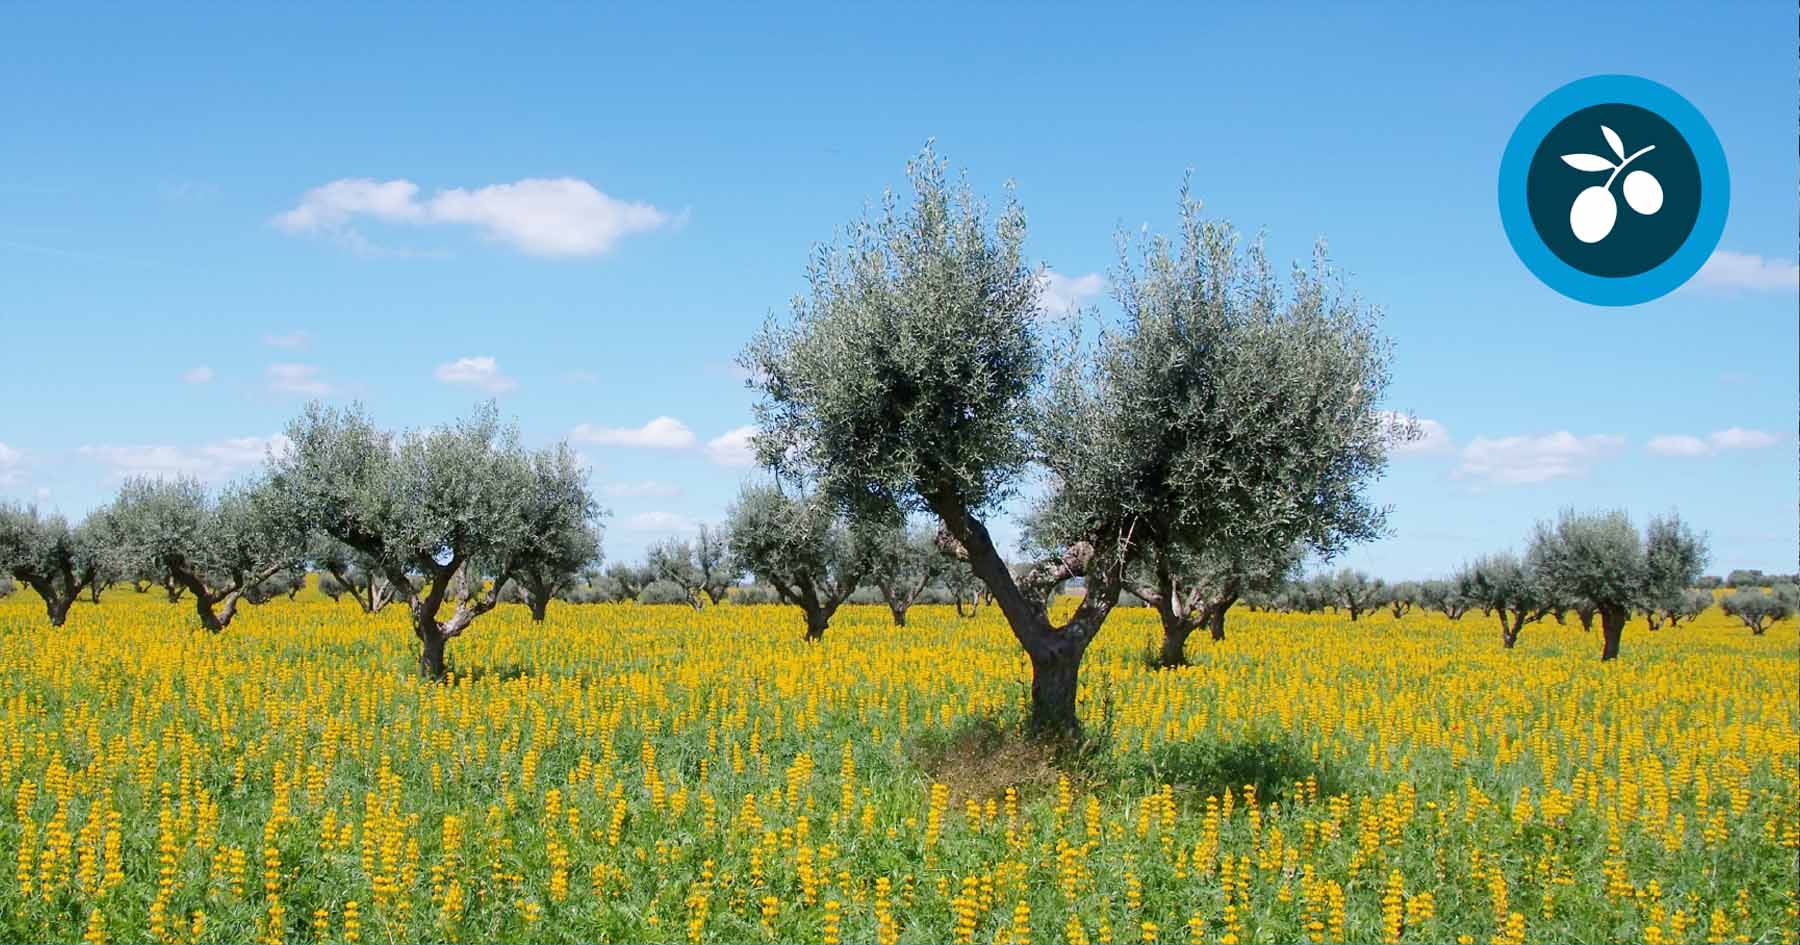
x: 1613, y: 190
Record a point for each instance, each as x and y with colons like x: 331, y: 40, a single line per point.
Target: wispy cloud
x: 480, y: 372
x: 666, y: 433
x: 213, y: 461
x: 558, y: 218
x: 658, y: 522
x: 1061, y: 295
x: 643, y: 489
x: 1431, y: 437
x: 1745, y: 272
x: 12, y: 465
x: 197, y: 375
x: 1719, y: 441
x: 732, y: 448
x: 296, y: 379
x: 1524, y: 460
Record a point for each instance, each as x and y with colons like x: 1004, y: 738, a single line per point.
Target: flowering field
x: 632, y: 773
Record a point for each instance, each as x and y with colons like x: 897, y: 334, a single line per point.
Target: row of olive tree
x: 1222, y: 420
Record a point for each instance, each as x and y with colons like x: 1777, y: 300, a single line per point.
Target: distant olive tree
x: 216, y: 547
x: 629, y: 580
x: 1356, y: 593
x: 561, y: 537
x: 1688, y: 605
x: 445, y: 504
x: 795, y: 544
x: 1505, y: 586
x: 955, y: 394
x: 7, y: 587
x: 1444, y: 597
x: 902, y: 563
x: 1189, y: 591
x: 703, y: 568
x: 965, y: 589
x: 45, y: 554
x: 1601, y: 560
x: 344, y: 570
x: 1402, y: 597
x: 1756, y: 609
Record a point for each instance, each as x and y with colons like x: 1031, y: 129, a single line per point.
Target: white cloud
x: 658, y: 522
x: 1733, y: 438
x: 217, y: 460
x: 1672, y: 444
x: 1061, y: 295
x: 480, y: 371
x: 663, y: 433
x: 1521, y: 460
x: 197, y: 375
x: 1433, y: 438
x: 12, y: 464
x: 296, y: 379
x: 1746, y: 272
x: 288, y: 340
x: 732, y: 448
x: 645, y: 489
x: 1738, y: 438
x: 561, y: 217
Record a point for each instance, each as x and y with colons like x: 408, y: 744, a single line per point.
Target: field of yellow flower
x: 633, y: 773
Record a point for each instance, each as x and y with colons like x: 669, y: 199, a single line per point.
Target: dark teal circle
x: 1515, y: 214
x: 1638, y: 242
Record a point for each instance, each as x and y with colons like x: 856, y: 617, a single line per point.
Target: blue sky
x: 585, y: 213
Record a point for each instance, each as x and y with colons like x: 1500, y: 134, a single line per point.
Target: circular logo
x: 1613, y: 190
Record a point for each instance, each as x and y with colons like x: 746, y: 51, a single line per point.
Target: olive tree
x: 47, y: 555
x: 964, y: 588
x: 1755, y: 608
x: 629, y: 579
x: 1356, y: 593
x: 1504, y: 585
x: 1402, y: 597
x: 797, y: 545
x: 1444, y: 597
x: 1189, y: 591
x: 561, y: 537
x: 444, y: 504
x: 903, y: 561
x: 914, y: 377
x: 704, y: 568
x: 1601, y: 560
x: 348, y: 571
x: 217, y: 547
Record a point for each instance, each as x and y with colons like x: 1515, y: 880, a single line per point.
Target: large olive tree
x: 794, y: 543
x: 914, y: 377
x: 1601, y: 560
x: 445, y: 504
x: 217, y: 547
x: 47, y: 555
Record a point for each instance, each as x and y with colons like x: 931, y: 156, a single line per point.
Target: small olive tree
x: 903, y: 562
x: 629, y: 579
x: 344, y: 570
x: 1756, y: 609
x: 561, y: 536
x: 428, y: 503
x: 703, y: 568
x: 795, y: 544
x: 45, y: 554
x: 217, y: 547
x: 1505, y: 586
x: 1190, y: 591
x: 1601, y: 560
x: 1444, y: 597
x: 1356, y: 593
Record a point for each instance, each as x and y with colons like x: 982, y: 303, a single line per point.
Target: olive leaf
x: 1612, y: 141
x: 1587, y: 162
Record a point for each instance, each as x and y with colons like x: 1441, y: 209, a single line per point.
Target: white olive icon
x: 1593, y: 215
x: 1642, y: 192
x: 1595, y: 211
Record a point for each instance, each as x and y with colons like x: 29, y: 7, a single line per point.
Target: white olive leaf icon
x: 1595, y: 209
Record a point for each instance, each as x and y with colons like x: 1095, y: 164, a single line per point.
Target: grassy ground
x: 627, y: 773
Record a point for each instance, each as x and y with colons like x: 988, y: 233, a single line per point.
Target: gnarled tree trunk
x: 1612, y: 627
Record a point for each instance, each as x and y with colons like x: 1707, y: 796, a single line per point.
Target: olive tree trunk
x: 1612, y: 627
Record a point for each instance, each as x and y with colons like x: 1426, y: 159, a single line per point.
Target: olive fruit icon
x: 1595, y: 211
